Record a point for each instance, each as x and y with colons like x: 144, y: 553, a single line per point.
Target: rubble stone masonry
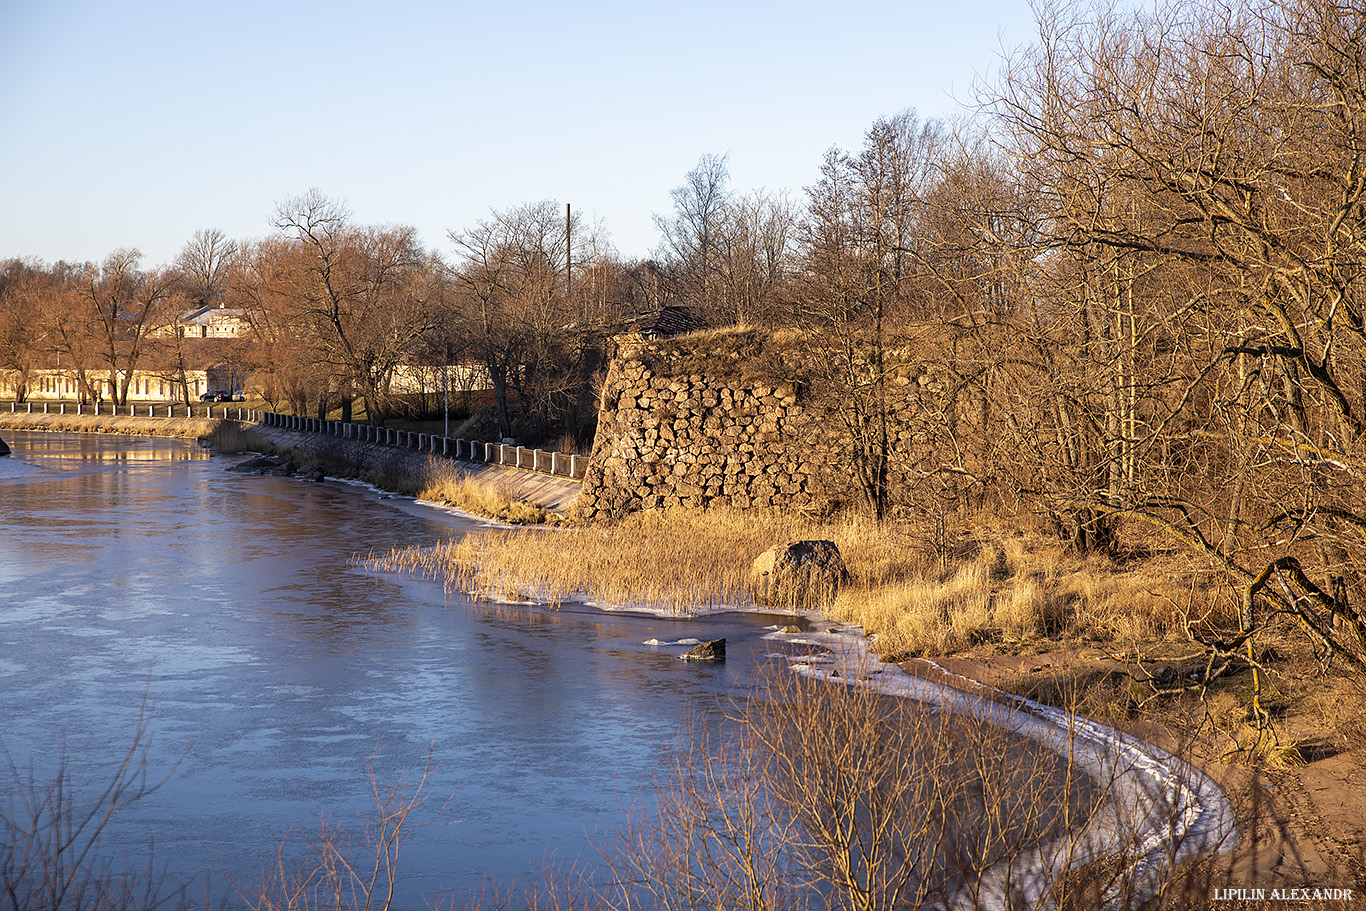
x: 672, y: 432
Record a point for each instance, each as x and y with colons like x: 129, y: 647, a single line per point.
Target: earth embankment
x: 550, y: 492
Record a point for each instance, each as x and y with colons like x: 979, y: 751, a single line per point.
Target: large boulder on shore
x: 715, y: 650
x: 797, y: 574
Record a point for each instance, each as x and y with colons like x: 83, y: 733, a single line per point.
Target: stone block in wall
x: 745, y: 441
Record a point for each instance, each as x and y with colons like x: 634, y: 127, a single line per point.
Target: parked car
x: 216, y: 396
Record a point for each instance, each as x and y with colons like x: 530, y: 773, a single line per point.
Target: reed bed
x: 1012, y: 591
x: 676, y: 561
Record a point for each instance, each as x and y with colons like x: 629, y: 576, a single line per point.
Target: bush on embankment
x: 449, y: 485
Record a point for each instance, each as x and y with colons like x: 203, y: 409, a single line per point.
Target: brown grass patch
x: 1013, y: 591
x: 192, y: 428
x: 449, y: 485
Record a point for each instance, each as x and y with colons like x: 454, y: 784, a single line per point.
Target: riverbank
x: 1300, y: 818
x: 183, y: 428
x: 1079, y: 639
x: 398, y: 470
x: 1092, y: 639
x: 1157, y: 808
x: 420, y: 474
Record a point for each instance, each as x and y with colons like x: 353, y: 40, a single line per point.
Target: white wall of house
x: 62, y: 385
x: 207, y: 322
x: 433, y: 378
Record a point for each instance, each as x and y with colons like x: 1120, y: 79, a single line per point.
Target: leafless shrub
x: 715, y: 838
x: 345, y: 868
x: 832, y: 796
x: 54, y: 840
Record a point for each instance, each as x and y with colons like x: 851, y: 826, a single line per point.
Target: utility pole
x: 568, y: 252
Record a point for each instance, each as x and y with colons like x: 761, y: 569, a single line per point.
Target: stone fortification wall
x: 736, y: 420
x: 668, y: 438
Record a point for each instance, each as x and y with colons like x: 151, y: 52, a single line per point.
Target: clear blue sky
x: 136, y: 123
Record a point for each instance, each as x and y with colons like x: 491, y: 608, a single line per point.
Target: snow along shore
x: 1159, y: 810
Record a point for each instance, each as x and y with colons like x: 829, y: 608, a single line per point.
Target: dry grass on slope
x: 448, y: 485
x: 192, y: 428
x: 1019, y: 591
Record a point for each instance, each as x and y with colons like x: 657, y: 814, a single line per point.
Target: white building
x: 208, y: 322
x: 60, y: 384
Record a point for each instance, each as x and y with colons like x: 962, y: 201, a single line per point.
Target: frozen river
x: 275, y: 665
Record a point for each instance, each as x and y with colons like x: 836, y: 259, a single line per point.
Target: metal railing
x: 563, y: 464
x: 132, y: 409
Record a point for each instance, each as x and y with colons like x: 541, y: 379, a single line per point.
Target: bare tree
x: 206, y: 262
x: 757, y: 236
x: 516, y: 319
x: 860, y: 271
x: 30, y: 300
x: 1199, y: 171
x: 121, y: 306
x: 691, y: 238
x: 357, y: 297
x: 286, y: 375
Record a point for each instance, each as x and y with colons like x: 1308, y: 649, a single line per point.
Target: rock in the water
x: 260, y: 465
x: 715, y: 650
x: 4, y: 448
x: 312, y: 473
x: 797, y: 574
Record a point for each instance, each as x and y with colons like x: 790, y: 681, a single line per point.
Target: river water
x: 275, y: 666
